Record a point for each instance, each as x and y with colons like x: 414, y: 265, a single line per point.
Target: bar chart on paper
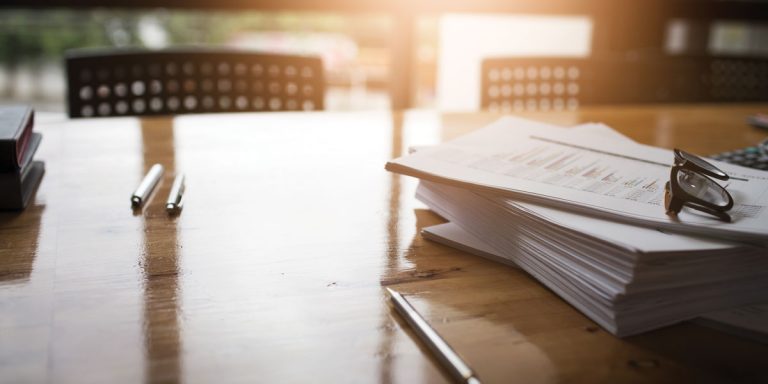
x: 580, y: 169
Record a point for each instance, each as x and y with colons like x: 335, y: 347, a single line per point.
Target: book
x: 15, y: 132
x: 17, y: 187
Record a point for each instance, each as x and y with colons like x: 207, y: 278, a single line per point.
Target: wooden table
x: 274, y: 270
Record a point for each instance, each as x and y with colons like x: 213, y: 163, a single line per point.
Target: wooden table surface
x: 274, y: 271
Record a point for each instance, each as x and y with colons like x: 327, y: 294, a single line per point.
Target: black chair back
x: 141, y: 83
x: 566, y: 83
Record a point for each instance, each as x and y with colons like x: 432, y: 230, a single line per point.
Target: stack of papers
x: 612, y: 179
x: 564, y: 205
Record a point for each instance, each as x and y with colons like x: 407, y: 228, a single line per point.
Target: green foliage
x: 28, y: 36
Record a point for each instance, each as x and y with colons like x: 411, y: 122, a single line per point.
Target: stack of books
x: 20, y: 174
x: 581, y: 211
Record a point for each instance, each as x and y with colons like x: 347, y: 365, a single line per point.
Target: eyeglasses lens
x: 702, y: 187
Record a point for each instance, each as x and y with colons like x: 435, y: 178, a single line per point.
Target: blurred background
x: 437, y: 47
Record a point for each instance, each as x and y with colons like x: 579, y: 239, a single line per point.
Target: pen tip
x: 391, y: 291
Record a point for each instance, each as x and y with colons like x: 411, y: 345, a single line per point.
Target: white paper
x: 453, y: 236
x: 606, y: 178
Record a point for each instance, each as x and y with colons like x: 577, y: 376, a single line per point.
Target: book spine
x: 23, y: 142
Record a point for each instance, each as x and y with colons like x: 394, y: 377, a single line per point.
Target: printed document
x: 622, y: 181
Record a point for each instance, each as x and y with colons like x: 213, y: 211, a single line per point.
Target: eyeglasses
x: 689, y: 186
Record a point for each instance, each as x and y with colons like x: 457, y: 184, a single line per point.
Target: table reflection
x: 160, y: 260
x: 23, y: 231
x: 431, y: 275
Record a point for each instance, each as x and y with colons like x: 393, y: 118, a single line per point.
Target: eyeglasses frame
x: 675, y: 197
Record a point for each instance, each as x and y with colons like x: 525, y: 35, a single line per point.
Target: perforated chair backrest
x: 533, y: 84
x: 737, y: 79
x: 131, y: 83
x: 566, y: 83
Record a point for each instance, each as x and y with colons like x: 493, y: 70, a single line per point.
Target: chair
x: 566, y: 83
x: 142, y: 82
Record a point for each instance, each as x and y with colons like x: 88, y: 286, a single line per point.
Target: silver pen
x: 176, y: 198
x: 458, y: 369
x: 146, y: 186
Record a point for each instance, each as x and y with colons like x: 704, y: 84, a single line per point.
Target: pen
x: 176, y: 198
x: 459, y: 370
x: 146, y: 186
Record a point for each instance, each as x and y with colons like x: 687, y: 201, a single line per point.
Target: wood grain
x: 274, y: 270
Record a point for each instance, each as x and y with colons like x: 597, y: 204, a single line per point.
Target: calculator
x: 753, y: 157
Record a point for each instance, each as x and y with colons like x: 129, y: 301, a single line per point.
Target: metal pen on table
x: 176, y: 197
x: 146, y: 186
x: 458, y: 369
